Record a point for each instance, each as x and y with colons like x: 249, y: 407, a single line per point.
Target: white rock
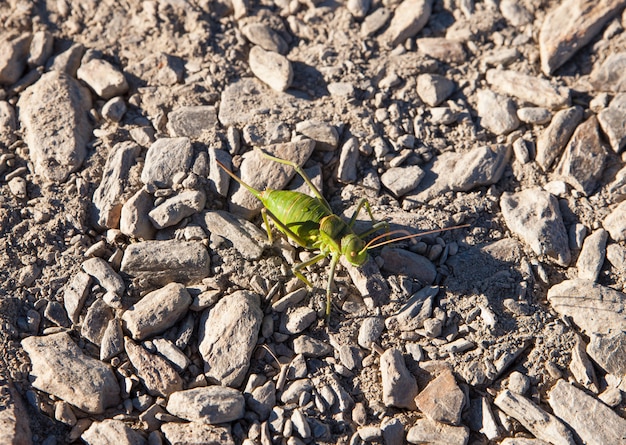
x: 272, y: 68
x: 103, y: 78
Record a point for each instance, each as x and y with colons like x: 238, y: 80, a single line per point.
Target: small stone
x: 399, y: 385
x: 609, y: 351
x: 262, y: 400
x: 159, y: 377
x: 14, y: 57
x: 612, y: 120
x: 610, y: 75
x: 591, y: 257
x: 615, y: 222
x: 581, y: 366
x: 157, y: 311
x: 218, y: 178
x: 375, y: 21
x: 300, y: 423
x: 529, y: 88
x: 521, y: 150
x: 594, y: 308
x: 370, y: 331
x: 271, y: 68
x: 311, y: 347
x: 535, y: 216
x: 96, y: 321
x: 57, y: 129
x: 370, y: 433
x: 295, y: 388
x: 17, y: 186
x: 112, y: 431
x: 115, y: 187
x: 157, y: 263
x: 409, y: 17
x: 403, y: 262
x: 176, y: 208
x: 443, y: 116
x: 393, y: 432
x: 569, y: 26
x: 515, y: 13
x: 247, y: 238
x: 228, y: 335
x: 348, y: 159
x: 518, y: 383
x: 114, y: 110
x: 534, y: 115
x: 541, y: 424
x: 112, y: 340
x: 401, y: 180
x: 433, y: 88
x: 616, y: 254
x: 165, y: 158
x: 104, y: 275
x: 359, y: 8
x: 209, y: 404
x: 428, y: 431
x: 134, y: 221
x: 299, y: 319
x: 191, y: 121
x: 324, y: 134
x: 196, y: 433
x: 594, y: 422
x: 103, y: 78
x: 582, y: 163
x: 440, y: 48
x: 442, y: 400
x: 75, y: 293
x: 498, y: 113
x: 552, y: 140
x: 60, y: 368
x: 265, y: 37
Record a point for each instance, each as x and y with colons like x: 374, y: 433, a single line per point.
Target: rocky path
x: 142, y: 303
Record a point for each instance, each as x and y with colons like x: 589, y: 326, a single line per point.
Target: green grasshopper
x: 311, y: 223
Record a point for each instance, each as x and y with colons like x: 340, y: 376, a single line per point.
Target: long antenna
x: 372, y: 244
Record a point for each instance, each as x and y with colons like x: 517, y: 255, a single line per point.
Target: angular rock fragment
x: 582, y: 163
x: 552, y: 140
x: 369, y: 282
x: 248, y: 239
x: 114, y: 189
x: 401, y: 180
x: 528, y: 88
x: 103, y: 78
x: 176, y: 208
x: 409, y: 17
x: 535, y: 216
x: 13, y: 59
x: 591, y: 257
x: 440, y: 48
x: 194, y: 432
x: 325, y: 135
x: 415, y: 311
x: 57, y: 128
x: 404, y: 262
x: 311, y: 347
x: 104, y: 275
x: 112, y: 431
x: 615, y: 222
x: 582, y: 368
x: 74, y: 295
x: 570, y: 26
x: 160, y: 262
x: 157, y: 311
x: 14, y: 419
x: 594, y: 308
x: 271, y: 68
x: 497, y: 112
x: 347, y: 170
x: 433, y: 88
x: 134, y: 221
x: 610, y: 75
x: 435, y: 433
x: 208, y: 404
x: 60, y: 368
x: 399, y: 385
x: 165, y: 158
x: 541, y: 424
x: 264, y: 36
x: 159, y: 377
x: 96, y: 321
x: 228, y: 335
x: 191, y: 121
x: 262, y: 173
x: 612, y: 120
x: 442, y: 400
x: 218, y: 178
x: 593, y: 421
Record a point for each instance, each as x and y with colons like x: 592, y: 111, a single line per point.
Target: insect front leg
x: 376, y: 225
x: 298, y: 267
x: 331, y: 279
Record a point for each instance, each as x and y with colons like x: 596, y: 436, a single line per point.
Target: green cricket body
x: 314, y: 224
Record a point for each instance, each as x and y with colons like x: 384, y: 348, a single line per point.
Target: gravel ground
x: 142, y: 302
